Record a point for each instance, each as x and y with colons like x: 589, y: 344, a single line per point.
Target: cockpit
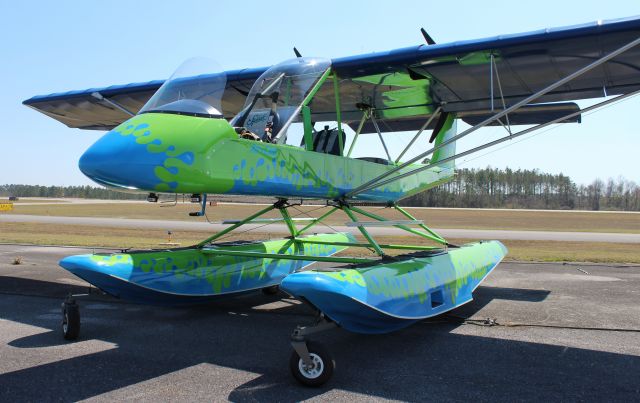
x: 278, y: 97
x: 281, y: 96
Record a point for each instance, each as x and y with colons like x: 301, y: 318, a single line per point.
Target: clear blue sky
x: 68, y: 45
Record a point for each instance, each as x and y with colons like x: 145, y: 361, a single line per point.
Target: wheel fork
x: 299, y: 341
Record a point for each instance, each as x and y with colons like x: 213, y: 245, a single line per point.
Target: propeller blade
x: 298, y: 54
x: 427, y: 37
x: 439, y: 124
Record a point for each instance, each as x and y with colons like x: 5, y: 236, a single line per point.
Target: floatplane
x: 232, y: 132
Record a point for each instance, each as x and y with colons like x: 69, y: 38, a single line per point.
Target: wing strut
x: 494, y: 67
x: 375, y: 124
x: 501, y: 140
x: 115, y: 104
x: 378, y: 180
x: 424, y: 126
x: 355, y: 138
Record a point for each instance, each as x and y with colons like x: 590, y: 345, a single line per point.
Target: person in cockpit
x: 245, y: 133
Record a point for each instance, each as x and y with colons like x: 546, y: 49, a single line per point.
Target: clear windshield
x: 196, y: 88
x: 276, y: 98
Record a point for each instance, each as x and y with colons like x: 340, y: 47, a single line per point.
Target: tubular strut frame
x: 282, y: 205
x: 378, y: 181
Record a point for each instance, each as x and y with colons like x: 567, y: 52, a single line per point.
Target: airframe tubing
x: 511, y: 137
x: 317, y: 220
x: 336, y: 93
x: 353, y: 142
x: 437, y: 239
x: 424, y: 227
x: 290, y: 224
x: 305, y: 102
x: 363, y: 231
x: 295, y: 232
x: 424, y: 126
x: 366, y: 245
x: 375, y: 124
x: 260, y: 255
x: 234, y: 226
x: 376, y: 181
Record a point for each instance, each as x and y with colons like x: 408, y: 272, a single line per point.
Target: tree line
x: 85, y: 192
x: 476, y: 188
x: 531, y: 189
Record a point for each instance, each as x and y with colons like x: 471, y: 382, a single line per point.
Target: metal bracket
x: 204, y: 207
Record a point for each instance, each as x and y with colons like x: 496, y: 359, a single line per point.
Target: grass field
x: 20, y: 201
x: 77, y: 235
x: 617, y: 222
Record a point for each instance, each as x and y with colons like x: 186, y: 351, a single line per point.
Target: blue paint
x: 375, y: 309
x: 146, y: 277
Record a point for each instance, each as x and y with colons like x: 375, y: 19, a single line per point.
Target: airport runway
x: 282, y: 229
x: 238, y: 349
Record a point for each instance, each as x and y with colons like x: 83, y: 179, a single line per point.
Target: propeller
x: 297, y: 52
x: 427, y: 37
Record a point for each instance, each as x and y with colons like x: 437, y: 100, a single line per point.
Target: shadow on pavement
x: 429, y: 360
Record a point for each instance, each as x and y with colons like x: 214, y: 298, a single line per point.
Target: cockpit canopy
x: 277, y: 96
x: 192, y: 90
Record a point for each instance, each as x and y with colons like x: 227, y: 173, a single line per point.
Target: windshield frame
x: 299, y: 76
x: 188, y: 93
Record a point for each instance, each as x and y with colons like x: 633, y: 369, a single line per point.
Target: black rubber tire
x: 272, y: 290
x: 328, y: 365
x: 70, y: 321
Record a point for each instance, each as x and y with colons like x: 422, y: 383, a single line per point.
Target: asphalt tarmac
x: 282, y: 229
x: 238, y: 349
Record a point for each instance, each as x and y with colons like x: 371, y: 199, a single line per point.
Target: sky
x: 48, y: 47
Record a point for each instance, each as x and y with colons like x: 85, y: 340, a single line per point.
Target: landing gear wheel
x: 70, y: 320
x: 273, y: 290
x: 321, y: 369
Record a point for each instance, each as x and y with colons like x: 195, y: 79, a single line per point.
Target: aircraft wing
x: 406, y: 85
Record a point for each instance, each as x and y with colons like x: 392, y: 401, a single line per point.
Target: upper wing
x: 91, y: 109
x: 405, y: 85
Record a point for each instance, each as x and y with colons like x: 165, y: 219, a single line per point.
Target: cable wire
x: 490, y: 322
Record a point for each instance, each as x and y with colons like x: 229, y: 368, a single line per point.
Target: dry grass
x: 27, y: 200
x: 77, y: 235
x: 572, y: 221
x: 539, y: 251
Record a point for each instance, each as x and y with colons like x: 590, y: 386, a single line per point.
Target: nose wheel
x: 310, y: 362
x: 319, y: 366
x: 70, y: 319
